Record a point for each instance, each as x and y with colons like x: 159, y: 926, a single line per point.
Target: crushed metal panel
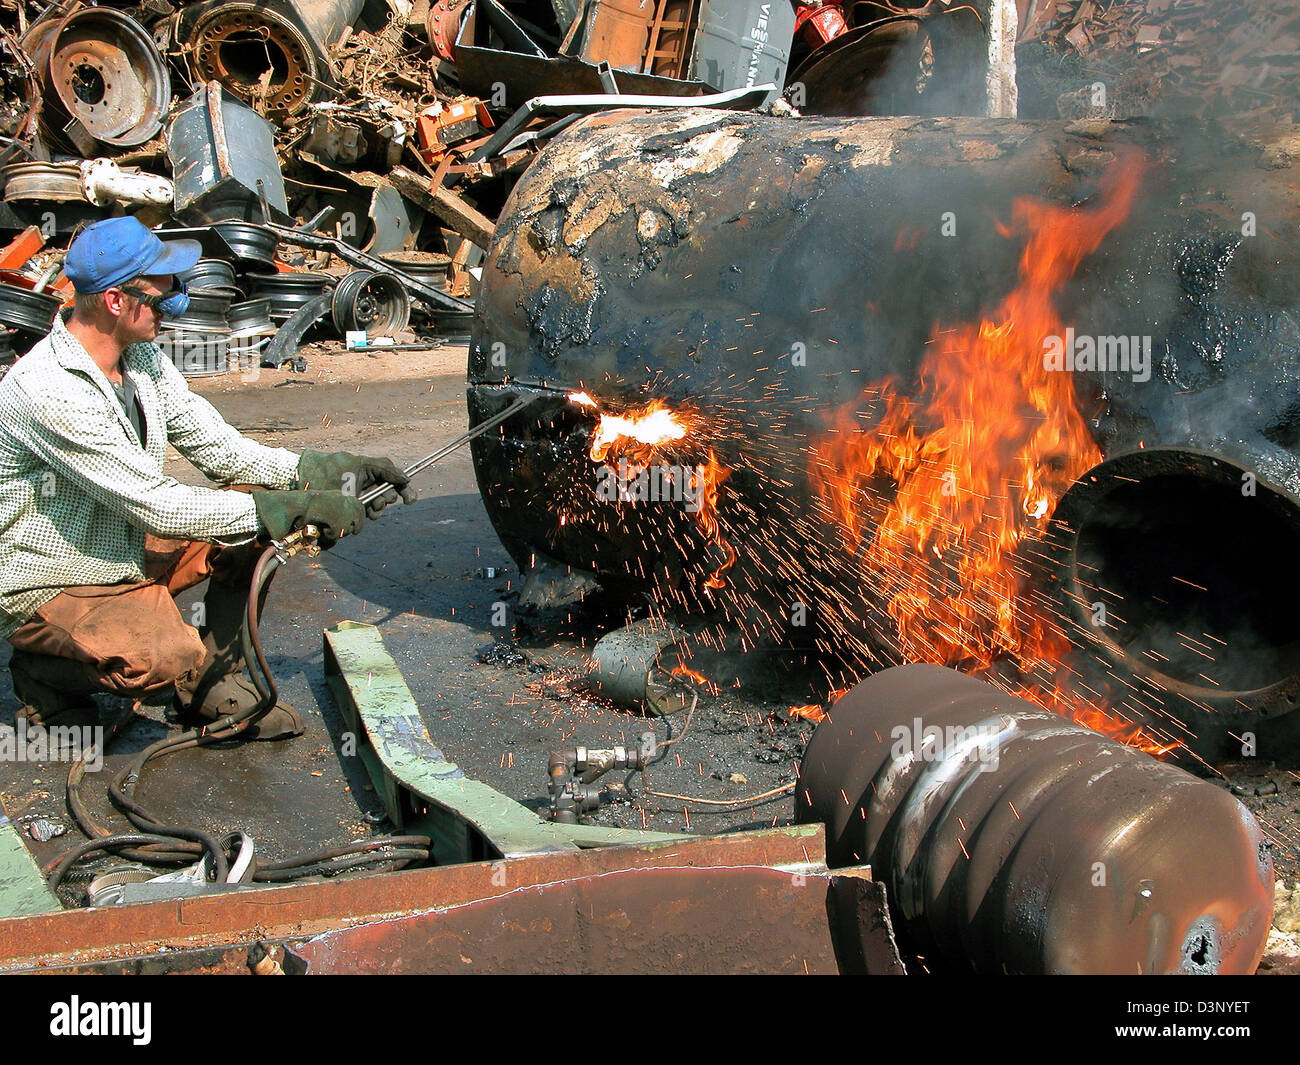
x: 222, y: 153
x: 746, y: 902
x: 617, y: 32
x: 527, y: 72
x: 395, y: 222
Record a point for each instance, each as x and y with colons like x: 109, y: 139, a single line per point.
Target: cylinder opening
x: 247, y: 55
x: 1186, y: 570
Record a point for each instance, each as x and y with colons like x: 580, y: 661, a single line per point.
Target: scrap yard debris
x: 377, y: 140
x: 1181, y: 57
x: 342, y: 161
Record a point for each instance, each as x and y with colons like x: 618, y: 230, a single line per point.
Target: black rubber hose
x: 251, y: 638
x: 107, y: 843
x: 403, y: 856
x: 122, y: 787
x: 165, y: 843
x: 346, y: 850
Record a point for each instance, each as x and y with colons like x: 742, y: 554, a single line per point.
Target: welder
x: 95, y: 539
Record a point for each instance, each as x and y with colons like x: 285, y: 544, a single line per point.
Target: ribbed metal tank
x: 1011, y: 841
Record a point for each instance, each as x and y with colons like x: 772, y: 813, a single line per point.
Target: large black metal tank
x: 764, y: 270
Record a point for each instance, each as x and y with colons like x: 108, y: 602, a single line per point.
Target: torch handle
x: 519, y: 404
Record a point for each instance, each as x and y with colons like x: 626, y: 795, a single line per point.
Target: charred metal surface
x: 751, y: 902
x: 684, y: 258
x: 1012, y: 841
x: 1157, y: 536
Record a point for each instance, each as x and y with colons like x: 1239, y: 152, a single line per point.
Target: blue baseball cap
x: 115, y: 250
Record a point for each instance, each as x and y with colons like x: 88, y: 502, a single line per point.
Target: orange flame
x: 707, y: 480
x: 979, y: 457
x: 637, y: 435
x: 641, y: 436
x: 698, y: 679
x: 815, y: 712
x: 1128, y: 733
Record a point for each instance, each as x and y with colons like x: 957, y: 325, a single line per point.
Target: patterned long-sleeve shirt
x: 79, y: 492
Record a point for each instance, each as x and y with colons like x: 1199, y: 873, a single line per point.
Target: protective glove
x: 354, y: 474
x: 334, y: 513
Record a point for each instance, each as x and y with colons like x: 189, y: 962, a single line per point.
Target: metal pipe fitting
x: 104, y: 182
x: 573, y: 774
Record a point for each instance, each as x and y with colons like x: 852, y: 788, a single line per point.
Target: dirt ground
x: 498, y: 706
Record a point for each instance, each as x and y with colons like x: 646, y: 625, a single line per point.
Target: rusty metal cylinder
x: 1012, y: 841
x: 287, y: 41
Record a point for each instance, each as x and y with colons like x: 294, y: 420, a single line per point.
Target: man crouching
x: 95, y: 539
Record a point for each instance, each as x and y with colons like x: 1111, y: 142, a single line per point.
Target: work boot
x: 54, y: 691
x: 220, y: 687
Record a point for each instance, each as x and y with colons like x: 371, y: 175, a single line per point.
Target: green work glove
x: 355, y: 475
x: 334, y: 513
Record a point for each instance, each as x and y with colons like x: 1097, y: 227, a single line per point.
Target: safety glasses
x: 174, y: 301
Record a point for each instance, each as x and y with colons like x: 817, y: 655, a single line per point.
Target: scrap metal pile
x: 1180, y: 57
x: 396, y: 129
x: 147, y: 111
x: 338, y: 158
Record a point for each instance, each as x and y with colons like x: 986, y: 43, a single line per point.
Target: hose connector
x: 305, y: 541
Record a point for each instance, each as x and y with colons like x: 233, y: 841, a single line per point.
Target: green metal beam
x: 23, y: 889
x: 421, y: 788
